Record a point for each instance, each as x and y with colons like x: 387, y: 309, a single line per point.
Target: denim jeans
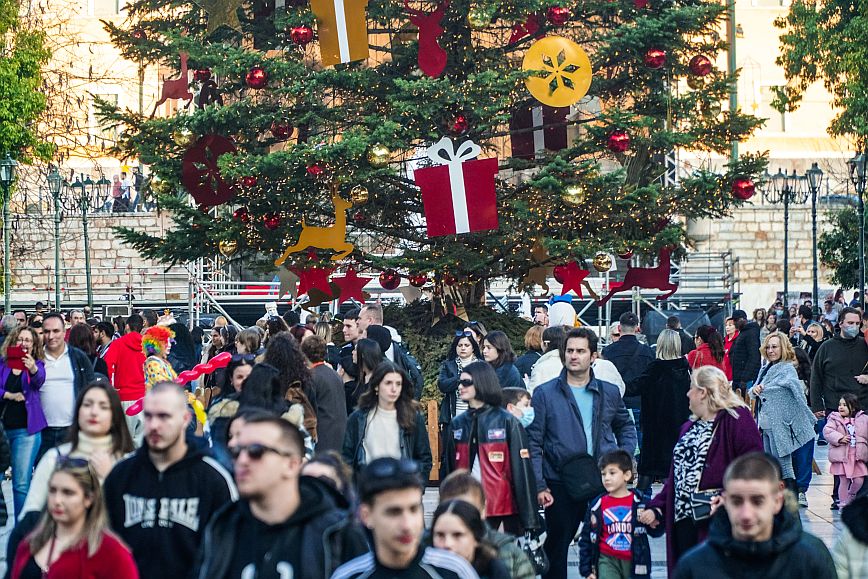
x: 52, y: 436
x: 24, y: 448
x: 803, y: 460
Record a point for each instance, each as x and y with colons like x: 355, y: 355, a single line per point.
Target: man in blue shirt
x: 575, y: 414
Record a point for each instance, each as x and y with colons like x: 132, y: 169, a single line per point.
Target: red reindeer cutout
x: 646, y: 278
x: 177, y: 88
x: 432, y: 56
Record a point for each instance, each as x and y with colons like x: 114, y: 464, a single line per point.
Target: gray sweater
x: 784, y: 414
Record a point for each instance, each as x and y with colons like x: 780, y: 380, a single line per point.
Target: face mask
x: 527, y: 416
x: 780, y: 313
x: 851, y: 331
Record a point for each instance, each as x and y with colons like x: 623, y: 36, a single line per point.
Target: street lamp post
x: 7, y: 176
x: 87, y: 188
x: 785, y: 189
x: 814, y: 177
x: 55, y: 184
x: 857, y: 177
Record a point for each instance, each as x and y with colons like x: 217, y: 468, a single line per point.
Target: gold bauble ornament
x: 478, y: 18
x: 695, y: 82
x: 379, y: 155
x: 183, y: 137
x: 359, y: 194
x: 228, y: 247
x: 574, y: 194
x: 602, y: 262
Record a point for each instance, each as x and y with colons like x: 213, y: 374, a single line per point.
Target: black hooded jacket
x: 744, y: 356
x: 162, y: 515
x: 319, y: 534
x: 790, y: 553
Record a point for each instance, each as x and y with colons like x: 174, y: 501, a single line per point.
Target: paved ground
x: 818, y: 519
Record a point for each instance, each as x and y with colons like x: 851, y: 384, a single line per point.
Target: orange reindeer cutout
x: 647, y: 278
x: 332, y: 237
x: 432, y: 56
x: 178, y: 88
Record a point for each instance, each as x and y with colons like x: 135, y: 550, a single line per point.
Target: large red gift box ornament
x: 537, y: 128
x: 458, y: 194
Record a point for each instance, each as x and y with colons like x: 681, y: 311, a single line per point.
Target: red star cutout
x: 312, y: 278
x: 573, y: 277
x: 352, y: 286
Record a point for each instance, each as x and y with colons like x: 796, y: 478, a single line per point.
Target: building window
x: 105, y: 7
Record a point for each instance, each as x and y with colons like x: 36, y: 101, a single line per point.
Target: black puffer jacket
x: 744, y: 357
x: 790, y: 553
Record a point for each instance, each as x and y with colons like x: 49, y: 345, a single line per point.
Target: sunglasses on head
x: 386, y: 469
x: 256, y: 451
x: 466, y: 382
x: 460, y: 333
x: 67, y: 461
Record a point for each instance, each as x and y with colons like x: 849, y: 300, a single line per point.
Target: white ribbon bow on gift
x: 443, y: 152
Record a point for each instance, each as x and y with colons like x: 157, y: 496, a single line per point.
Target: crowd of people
x: 297, y: 457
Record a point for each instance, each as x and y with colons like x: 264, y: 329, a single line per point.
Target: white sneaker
x: 803, y: 500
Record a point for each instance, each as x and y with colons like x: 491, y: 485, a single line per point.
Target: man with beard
x: 160, y: 499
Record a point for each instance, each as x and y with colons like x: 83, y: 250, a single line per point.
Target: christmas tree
x: 309, y: 113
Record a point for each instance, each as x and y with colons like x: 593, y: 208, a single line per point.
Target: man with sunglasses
x: 391, y: 495
x: 285, y: 525
x: 160, y: 499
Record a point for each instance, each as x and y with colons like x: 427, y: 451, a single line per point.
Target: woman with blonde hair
x: 72, y: 539
x: 533, y: 345
x: 720, y: 429
x: 324, y: 330
x: 784, y: 418
x: 663, y: 389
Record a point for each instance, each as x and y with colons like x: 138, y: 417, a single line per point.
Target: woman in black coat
x: 463, y: 352
x: 663, y: 388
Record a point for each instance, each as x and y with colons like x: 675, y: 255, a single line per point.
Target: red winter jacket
x: 504, y: 460
x: 111, y: 561
x: 126, y: 366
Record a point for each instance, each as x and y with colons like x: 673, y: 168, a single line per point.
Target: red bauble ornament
x: 743, y: 188
x: 618, y: 141
x: 315, y: 170
x: 640, y: 4
x: 558, y: 15
x: 390, y: 279
x: 281, y: 130
x: 139, y: 34
x: 202, y: 74
x: 459, y: 125
x: 418, y: 279
x: 271, y: 221
x: 655, y: 58
x: 626, y: 254
x: 448, y: 279
x: 248, y: 181
x: 700, y: 65
x: 301, y: 35
x: 558, y: 273
x: 257, y: 77
x: 359, y: 217
x: 241, y: 214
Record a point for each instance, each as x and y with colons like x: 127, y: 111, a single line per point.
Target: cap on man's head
x: 381, y: 336
x: 387, y: 474
x: 739, y: 315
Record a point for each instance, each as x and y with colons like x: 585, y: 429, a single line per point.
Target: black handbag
x: 580, y: 476
x: 700, y: 503
x: 532, y: 545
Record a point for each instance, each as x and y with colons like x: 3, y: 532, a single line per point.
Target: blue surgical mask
x: 527, y: 416
x: 779, y: 313
x: 851, y: 331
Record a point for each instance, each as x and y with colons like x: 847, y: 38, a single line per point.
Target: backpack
x: 411, y: 365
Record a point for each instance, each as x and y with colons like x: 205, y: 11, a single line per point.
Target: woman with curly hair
x: 156, y: 343
x: 283, y: 353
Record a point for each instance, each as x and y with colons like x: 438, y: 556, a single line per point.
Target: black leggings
x: 685, y: 535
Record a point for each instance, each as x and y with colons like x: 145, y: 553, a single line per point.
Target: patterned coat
x: 784, y: 414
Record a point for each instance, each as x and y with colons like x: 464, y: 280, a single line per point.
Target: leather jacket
x: 414, y: 445
x: 501, y: 447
